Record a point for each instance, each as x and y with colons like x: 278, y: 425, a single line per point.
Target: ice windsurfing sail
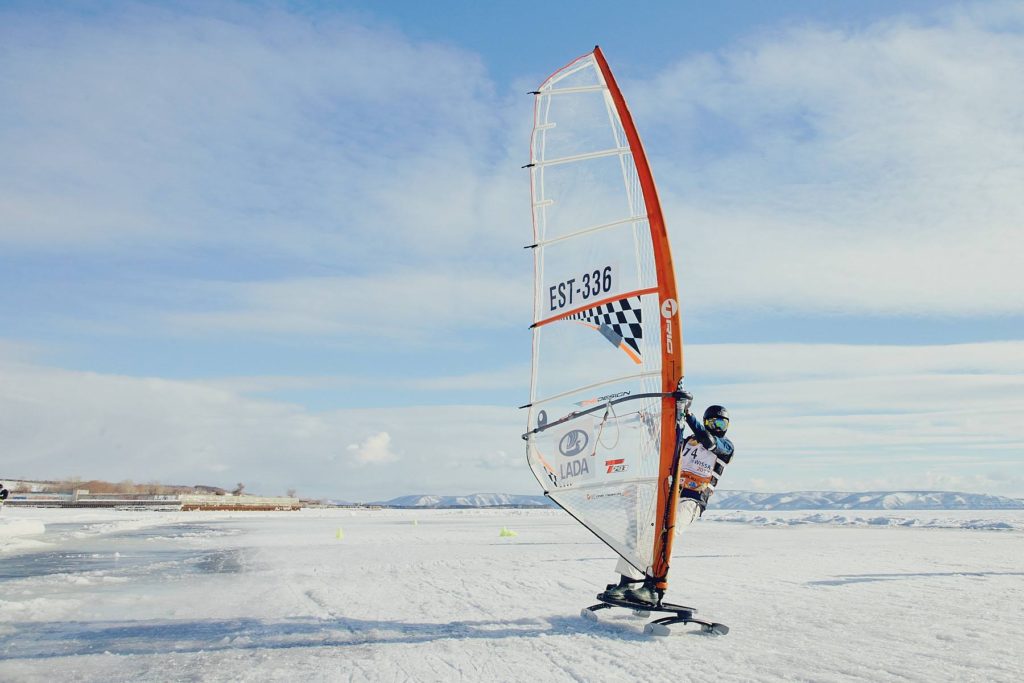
x: 607, y: 345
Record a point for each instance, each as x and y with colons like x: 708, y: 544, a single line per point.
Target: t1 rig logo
x: 669, y: 308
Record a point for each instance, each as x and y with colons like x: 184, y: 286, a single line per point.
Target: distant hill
x: 863, y: 500
x: 749, y: 500
x: 101, y: 486
x: 474, y: 500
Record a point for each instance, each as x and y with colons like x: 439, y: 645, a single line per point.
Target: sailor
x: 3, y: 495
x: 702, y: 460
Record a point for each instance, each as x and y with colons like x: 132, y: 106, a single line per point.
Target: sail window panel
x: 583, y: 194
x: 603, y: 467
x: 621, y: 515
x: 580, y: 73
x: 628, y: 430
x: 598, y: 344
x: 595, y: 388
x: 632, y: 221
x: 581, y: 125
x: 575, y: 353
x: 562, y: 369
x: 593, y: 267
x: 637, y: 402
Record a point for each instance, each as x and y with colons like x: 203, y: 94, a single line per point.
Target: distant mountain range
x: 474, y: 500
x: 749, y: 500
x: 863, y: 500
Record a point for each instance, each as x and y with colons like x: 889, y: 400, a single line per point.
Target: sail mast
x: 672, y: 338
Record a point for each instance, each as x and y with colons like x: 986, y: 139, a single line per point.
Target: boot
x: 619, y: 592
x: 646, y: 594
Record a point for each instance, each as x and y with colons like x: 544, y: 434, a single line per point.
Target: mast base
x: 678, y: 614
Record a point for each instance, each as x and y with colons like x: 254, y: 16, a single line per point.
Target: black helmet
x: 716, y: 420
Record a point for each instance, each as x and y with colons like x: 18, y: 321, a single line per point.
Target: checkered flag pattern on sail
x: 618, y: 321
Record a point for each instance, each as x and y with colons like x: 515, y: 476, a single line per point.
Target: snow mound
x: 13, y: 528
x: 15, y: 534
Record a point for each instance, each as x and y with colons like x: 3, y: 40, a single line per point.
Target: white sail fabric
x: 597, y: 334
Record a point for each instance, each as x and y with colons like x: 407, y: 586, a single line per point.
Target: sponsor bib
x: 696, y: 465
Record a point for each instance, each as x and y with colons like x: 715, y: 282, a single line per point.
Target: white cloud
x: 374, y: 449
x: 57, y: 423
x: 912, y: 416
x: 252, y: 170
x: 244, y: 128
x: 863, y: 170
x: 788, y: 360
x: 19, y: 351
x: 403, y: 305
x: 254, y: 173
x: 514, y: 377
x: 809, y: 416
x: 835, y: 406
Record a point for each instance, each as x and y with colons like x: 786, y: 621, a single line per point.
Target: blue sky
x: 281, y: 243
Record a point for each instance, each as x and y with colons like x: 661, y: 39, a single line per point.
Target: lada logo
x: 573, y: 443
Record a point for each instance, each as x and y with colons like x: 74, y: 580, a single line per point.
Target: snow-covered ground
x: 438, y: 595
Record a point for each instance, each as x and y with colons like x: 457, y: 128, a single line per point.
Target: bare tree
x: 290, y: 493
x: 238, y: 490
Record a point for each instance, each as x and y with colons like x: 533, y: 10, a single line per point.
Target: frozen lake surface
x: 440, y: 596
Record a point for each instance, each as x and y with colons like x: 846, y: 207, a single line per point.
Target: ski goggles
x: 718, y: 423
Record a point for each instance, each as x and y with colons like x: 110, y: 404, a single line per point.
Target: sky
x: 281, y: 243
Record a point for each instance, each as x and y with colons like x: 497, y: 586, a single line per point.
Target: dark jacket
x: 720, y: 446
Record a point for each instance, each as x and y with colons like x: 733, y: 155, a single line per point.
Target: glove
x: 687, y: 398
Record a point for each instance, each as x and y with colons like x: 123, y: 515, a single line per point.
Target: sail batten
x: 607, y: 347
x: 571, y: 91
x: 615, y: 151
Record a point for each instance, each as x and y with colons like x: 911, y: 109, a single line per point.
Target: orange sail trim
x: 595, y: 304
x: 672, y: 339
